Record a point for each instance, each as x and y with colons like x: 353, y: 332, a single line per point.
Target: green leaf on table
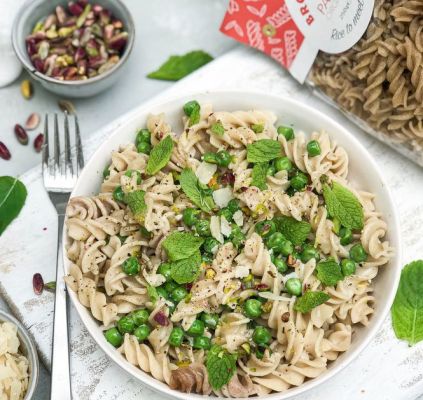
x: 186, y: 270
x: 310, y: 300
x: 259, y: 174
x: 221, y: 366
x: 263, y: 150
x: 407, y: 310
x: 179, y: 245
x: 344, y: 205
x: 136, y: 203
x: 160, y: 155
x: 12, y: 198
x: 177, y: 67
x: 295, y: 231
x: 329, y: 272
x: 191, y: 187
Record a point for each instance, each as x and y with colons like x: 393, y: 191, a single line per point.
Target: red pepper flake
x: 188, y: 286
x: 262, y: 287
x: 285, y: 317
x: 228, y: 178
x: 244, y: 188
x: 161, y: 318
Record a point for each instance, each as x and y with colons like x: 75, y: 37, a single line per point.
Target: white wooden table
x: 387, y: 369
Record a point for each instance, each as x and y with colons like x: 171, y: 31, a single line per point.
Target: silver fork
x: 60, y: 172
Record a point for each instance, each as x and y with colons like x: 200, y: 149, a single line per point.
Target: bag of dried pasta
x: 363, y: 56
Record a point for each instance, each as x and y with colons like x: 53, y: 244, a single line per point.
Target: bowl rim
x: 350, y: 355
x: 32, y: 352
x: 24, y: 59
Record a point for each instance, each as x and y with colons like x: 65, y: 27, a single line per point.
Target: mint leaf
x: 12, y: 198
x: 263, y: 150
x: 329, y: 272
x: 186, y: 270
x: 342, y: 204
x: 218, y: 129
x: 407, y: 310
x: 310, y: 300
x: 136, y: 203
x: 152, y: 293
x: 191, y: 187
x: 177, y: 67
x: 259, y: 176
x: 295, y: 231
x: 160, y: 155
x: 221, y: 366
x: 179, y: 245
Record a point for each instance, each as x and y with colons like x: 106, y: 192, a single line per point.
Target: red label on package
x: 293, y: 31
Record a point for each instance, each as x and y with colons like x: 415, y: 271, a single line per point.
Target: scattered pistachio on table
x: 50, y: 286
x: 67, y: 106
x: 4, y: 152
x: 38, y: 142
x: 32, y: 122
x: 38, y: 283
x: 78, y: 43
x: 21, y: 134
x: 26, y: 89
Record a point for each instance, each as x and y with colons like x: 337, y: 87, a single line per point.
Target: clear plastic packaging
x: 378, y: 83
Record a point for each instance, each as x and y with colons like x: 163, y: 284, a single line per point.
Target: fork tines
x: 61, y: 168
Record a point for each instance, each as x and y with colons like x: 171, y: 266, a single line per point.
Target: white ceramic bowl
x: 363, y: 172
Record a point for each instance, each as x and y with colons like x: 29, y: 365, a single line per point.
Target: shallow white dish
x: 363, y: 173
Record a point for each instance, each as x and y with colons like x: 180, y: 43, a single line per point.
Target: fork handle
x: 60, y: 371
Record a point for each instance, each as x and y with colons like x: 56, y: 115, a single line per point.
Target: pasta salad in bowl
x: 237, y: 253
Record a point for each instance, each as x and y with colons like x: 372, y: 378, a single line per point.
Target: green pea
x: 346, y: 236
x: 202, y: 227
x: 210, y: 320
x: 233, y: 206
x: 201, y: 342
x: 178, y: 294
x: 261, y: 335
x: 283, y: 164
x: 265, y: 228
x: 259, y: 353
x: 237, y: 237
x: 226, y: 213
x: 162, y: 292
x: 308, y: 253
x: 176, y: 337
x: 165, y: 270
x: 189, y: 216
x: 293, y: 286
x: 223, y: 158
x: 144, y: 147
x: 357, y: 253
x: 252, y: 308
x: 348, y: 267
x: 210, y: 245
x: 140, y: 316
x: 286, y: 248
x: 210, y: 157
x: 287, y: 131
x: 138, y: 173
x: 280, y: 265
x: 170, y: 286
x: 106, y: 172
x: 142, y: 332
x: 313, y: 148
x: 191, y: 106
x: 299, y: 181
x: 114, y: 337
x: 143, y: 136
x: 275, y: 240
x: 196, y: 329
x: 126, y: 324
x: 271, y: 170
x: 131, y: 266
x: 118, y: 194
x: 257, y: 128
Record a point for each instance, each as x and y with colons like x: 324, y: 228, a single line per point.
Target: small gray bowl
x: 27, y: 348
x: 34, y: 10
